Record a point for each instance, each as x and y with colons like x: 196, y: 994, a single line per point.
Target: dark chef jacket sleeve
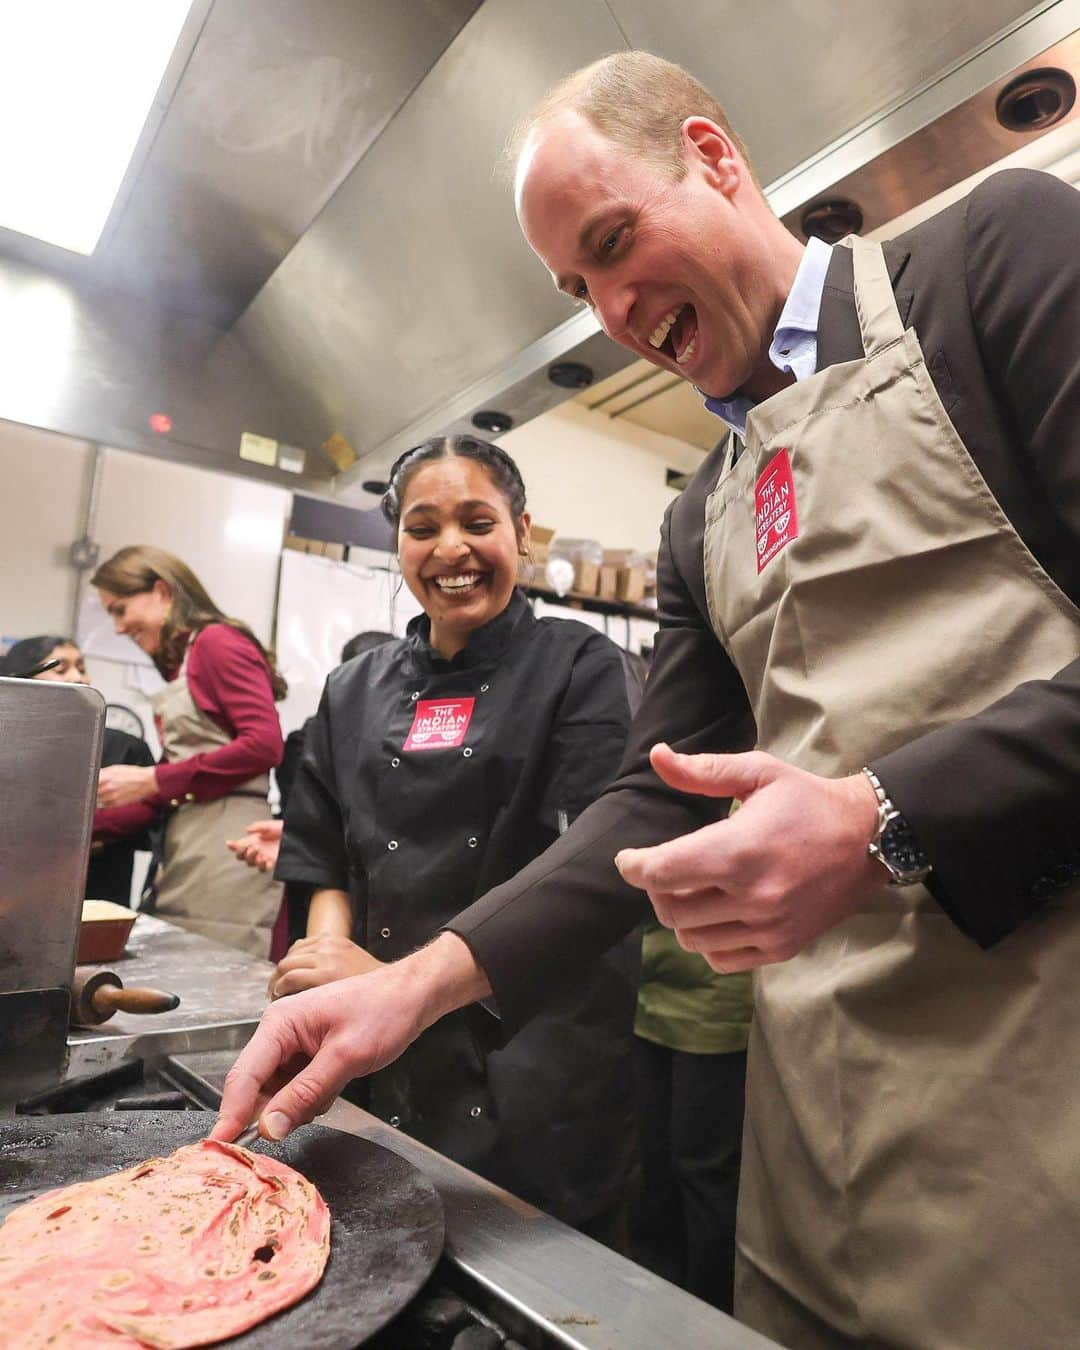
x: 995, y: 799
x: 540, y: 929
x: 313, y: 851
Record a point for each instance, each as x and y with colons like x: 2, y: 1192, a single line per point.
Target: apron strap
x: 879, y: 318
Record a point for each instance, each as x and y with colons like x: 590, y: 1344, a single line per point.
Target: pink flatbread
x: 179, y: 1251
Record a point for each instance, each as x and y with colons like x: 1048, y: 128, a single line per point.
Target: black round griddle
x: 386, y: 1231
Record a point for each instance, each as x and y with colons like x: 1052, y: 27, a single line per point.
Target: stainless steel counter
x: 222, y: 996
x: 584, y: 1296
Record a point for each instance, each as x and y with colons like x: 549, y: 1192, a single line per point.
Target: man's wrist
x: 445, y: 976
x: 894, y: 846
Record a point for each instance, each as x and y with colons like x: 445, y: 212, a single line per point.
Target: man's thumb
x: 714, y: 775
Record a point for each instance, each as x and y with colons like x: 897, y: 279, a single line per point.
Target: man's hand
x: 122, y: 784
x: 761, y: 885
x: 306, y: 1048
x: 317, y: 960
x: 260, y: 844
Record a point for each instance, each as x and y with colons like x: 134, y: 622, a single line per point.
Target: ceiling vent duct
x: 1036, y: 100
x: 570, y: 375
x: 491, y: 421
x: 832, y: 220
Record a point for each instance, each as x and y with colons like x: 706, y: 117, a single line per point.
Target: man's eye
x: 581, y: 291
x: 610, y: 240
x: 481, y: 526
x: 419, y: 532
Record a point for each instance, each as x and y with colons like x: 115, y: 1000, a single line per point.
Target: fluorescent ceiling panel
x: 77, y: 80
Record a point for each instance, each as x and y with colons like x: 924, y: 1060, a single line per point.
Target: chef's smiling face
x: 675, y: 270
x: 140, y: 616
x: 458, y: 547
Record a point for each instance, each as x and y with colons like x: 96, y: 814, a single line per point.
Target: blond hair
x: 134, y: 569
x: 639, y: 102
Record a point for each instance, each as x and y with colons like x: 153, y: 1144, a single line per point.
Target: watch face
x: 900, y: 848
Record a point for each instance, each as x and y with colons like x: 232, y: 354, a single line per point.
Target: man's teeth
x: 663, y: 328
x: 457, y: 583
x: 687, y: 352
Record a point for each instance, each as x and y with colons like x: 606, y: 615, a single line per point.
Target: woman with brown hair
x: 220, y: 737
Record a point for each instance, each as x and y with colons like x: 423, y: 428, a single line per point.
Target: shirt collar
x: 794, y: 342
x: 484, y: 644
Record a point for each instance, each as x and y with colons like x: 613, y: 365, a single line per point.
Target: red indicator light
x: 161, y: 423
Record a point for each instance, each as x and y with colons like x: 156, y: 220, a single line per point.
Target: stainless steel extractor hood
x: 313, y: 240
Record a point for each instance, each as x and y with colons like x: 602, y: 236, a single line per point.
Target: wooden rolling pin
x: 97, y: 994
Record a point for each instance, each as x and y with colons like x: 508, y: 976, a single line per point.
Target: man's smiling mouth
x: 676, y: 334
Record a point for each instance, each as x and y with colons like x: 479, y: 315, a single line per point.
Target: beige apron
x: 911, y: 1170
x: 201, y: 886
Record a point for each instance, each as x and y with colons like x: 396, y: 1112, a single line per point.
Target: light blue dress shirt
x: 794, y: 344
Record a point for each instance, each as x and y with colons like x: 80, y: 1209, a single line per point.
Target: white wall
x: 589, y: 477
x: 228, y: 529
x: 43, y: 479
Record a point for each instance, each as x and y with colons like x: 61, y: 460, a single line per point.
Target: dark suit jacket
x: 992, y: 287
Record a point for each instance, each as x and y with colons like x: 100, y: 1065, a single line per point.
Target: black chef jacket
x: 108, y: 874
x: 425, y: 782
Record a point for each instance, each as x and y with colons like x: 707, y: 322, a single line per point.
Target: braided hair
x: 501, y: 469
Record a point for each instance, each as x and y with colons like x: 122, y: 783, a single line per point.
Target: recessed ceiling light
x: 77, y: 81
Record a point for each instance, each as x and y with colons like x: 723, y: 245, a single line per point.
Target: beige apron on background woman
x: 200, y: 885
x: 911, y: 1166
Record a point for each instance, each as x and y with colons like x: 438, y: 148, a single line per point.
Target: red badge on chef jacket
x: 774, y: 509
x: 440, y: 723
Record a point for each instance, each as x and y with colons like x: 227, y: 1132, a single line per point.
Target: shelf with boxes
x: 606, y: 581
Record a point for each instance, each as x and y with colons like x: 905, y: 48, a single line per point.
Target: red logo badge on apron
x: 774, y: 509
x: 440, y: 723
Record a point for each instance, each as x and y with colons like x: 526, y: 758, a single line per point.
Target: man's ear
x: 708, y: 145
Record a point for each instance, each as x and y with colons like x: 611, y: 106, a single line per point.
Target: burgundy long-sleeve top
x: 229, y: 680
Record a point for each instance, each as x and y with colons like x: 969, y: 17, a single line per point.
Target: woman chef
x: 436, y: 767
x: 220, y: 737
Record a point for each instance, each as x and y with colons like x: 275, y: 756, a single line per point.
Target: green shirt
x: 686, y: 1005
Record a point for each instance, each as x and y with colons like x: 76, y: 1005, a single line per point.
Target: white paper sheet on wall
x: 321, y: 604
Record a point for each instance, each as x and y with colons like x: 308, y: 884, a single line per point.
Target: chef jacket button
x: 467, y: 752
x: 395, y: 1121
x: 395, y: 762
x: 174, y: 801
x: 392, y: 845
x: 473, y: 841
x: 384, y: 932
x: 484, y: 688
x: 474, y: 1111
x: 189, y: 796
x: 415, y: 695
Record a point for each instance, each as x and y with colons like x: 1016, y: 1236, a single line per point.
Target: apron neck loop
x: 879, y: 318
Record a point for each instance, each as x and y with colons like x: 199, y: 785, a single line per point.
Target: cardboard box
x: 609, y: 582
x: 294, y: 541
x: 335, y: 551
x: 540, y: 538
x: 586, y: 577
x: 621, y: 557
x: 631, y: 584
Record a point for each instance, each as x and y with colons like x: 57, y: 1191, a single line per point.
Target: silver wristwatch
x: 894, y: 844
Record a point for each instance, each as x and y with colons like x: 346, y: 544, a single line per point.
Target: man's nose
x: 613, y: 302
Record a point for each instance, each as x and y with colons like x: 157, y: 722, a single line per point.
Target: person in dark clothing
x: 108, y: 875
x: 357, y: 645
x: 262, y: 838
x: 437, y: 765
